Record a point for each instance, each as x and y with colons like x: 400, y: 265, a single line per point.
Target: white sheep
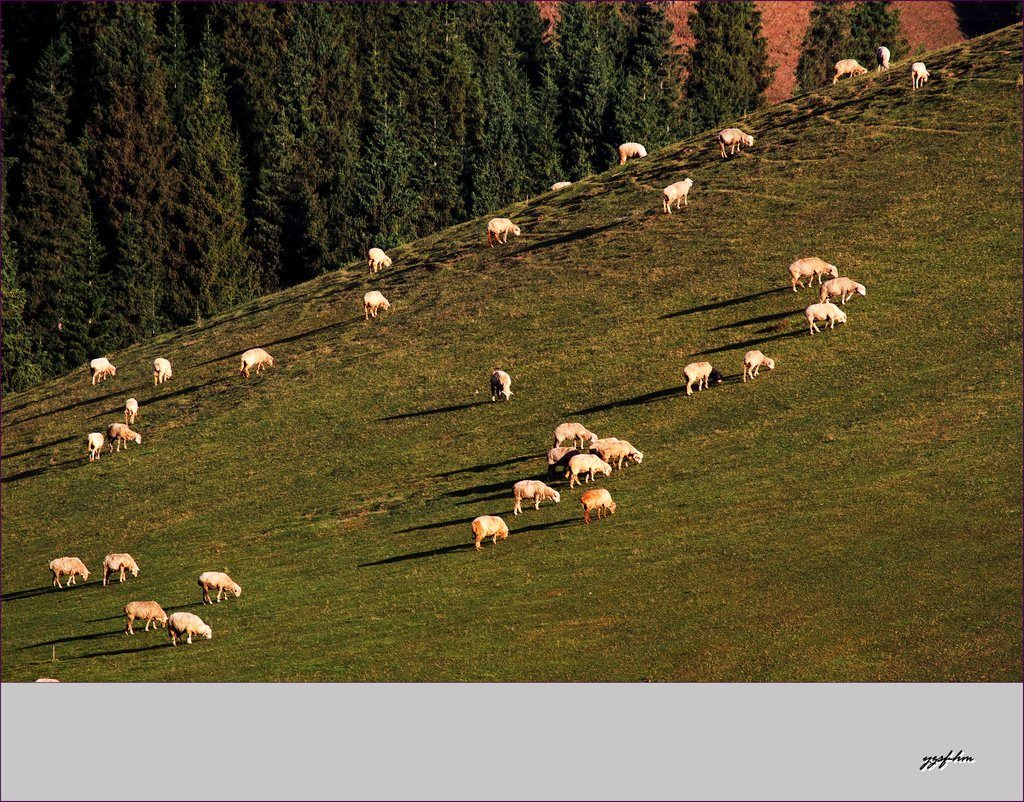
x: 810, y: 268
x: 588, y: 464
x: 119, y: 562
x: 843, y: 288
x: 530, y: 489
x: 753, y: 361
x: 827, y: 311
x: 918, y: 74
x: 255, y: 358
x: 69, y: 567
x: 378, y: 259
x: 558, y: 460
x: 882, y: 57
x: 161, y: 370
x: 631, y: 150
x: 702, y: 374
x: 220, y: 582
x: 181, y: 624
x: 576, y: 432
x: 148, y: 611
x: 734, y: 139
x: 95, y: 445
x: 101, y: 368
x: 560, y: 185
x: 617, y: 452
x: 678, y: 192
x: 501, y: 385
x: 498, y: 230
x: 490, y: 526
x: 131, y: 411
x: 597, y: 498
x: 848, y: 66
x: 118, y: 434
x: 373, y: 302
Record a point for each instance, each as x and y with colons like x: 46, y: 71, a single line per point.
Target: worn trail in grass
x: 853, y: 515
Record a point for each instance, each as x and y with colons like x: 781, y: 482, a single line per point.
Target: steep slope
x: 854, y: 515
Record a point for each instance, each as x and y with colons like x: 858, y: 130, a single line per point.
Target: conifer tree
x: 874, y: 23
x: 823, y: 45
x: 57, y: 249
x: 728, y: 64
x: 217, y: 261
x: 131, y: 148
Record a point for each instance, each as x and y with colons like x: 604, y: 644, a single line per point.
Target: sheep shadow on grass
x: 646, y: 398
x: 65, y: 465
x: 751, y: 343
x: 722, y: 304
x: 772, y: 318
x: 484, y: 467
x: 73, y: 639
x: 437, y: 411
x: 28, y: 594
x: 40, y: 447
x: 417, y: 555
x: 166, y: 644
x: 82, y: 403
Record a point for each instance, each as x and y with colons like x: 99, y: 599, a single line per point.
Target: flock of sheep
x: 587, y: 457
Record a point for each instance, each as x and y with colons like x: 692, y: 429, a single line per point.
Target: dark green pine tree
x: 178, y: 64
x: 385, y: 165
x: 823, y: 45
x: 131, y: 142
x: 586, y: 82
x: 58, y: 254
x: 728, y: 64
x: 218, y: 270
x: 648, y: 102
x: 874, y: 23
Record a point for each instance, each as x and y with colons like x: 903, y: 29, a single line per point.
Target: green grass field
x: 854, y: 515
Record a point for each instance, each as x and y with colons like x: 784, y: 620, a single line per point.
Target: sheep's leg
x: 56, y: 581
x: 122, y: 576
x: 189, y: 637
x: 721, y: 145
x: 586, y: 515
x: 128, y: 627
x: 536, y: 504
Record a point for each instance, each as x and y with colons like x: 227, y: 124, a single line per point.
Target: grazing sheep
x: 118, y: 433
x: 918, y: 74
x: 734, y: 139
x: 558, y: 460
x: 181, y: 624
x: 69, y: 567
x: 678, y: 192
x: 498, y: 230
x: 378, y: 259
x: 702, y: 373
x: 827, y: 311
x: 148, y: 611
x: 131, y: 411
x: 501, y: 385
x: 532, y: 489
x: 576, y: 432
x: 373, y: 302
x: 848, y: 66
x: 810, y: 268
x: 95, y: 445
x: 753, y: 362
x: 882, y: 57
x: 560, y: 185
x: 631, y: 150
x: 489, y: 526
x: 255, y: 358
x: 119, y: 562
x: 161, y: 370
x: 101, y: 368
x: 220, y: 582
x: 843, y: 288
x: 588, y: 464
x: 617, y: 452
x: 597, y: 498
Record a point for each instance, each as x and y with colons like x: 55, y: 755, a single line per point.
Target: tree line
x: 164, y: 162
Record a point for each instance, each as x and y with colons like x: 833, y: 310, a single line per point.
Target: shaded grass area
x: 853, y: 515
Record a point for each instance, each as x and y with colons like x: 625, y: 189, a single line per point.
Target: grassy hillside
x: 854, y: 515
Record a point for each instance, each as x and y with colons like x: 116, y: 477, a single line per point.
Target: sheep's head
x: 637, y: 456
x: 841, y: 317
x: 556, y: 497
x: 860, y: 70
x: 748, y: 140
x: 769, y: 363
x: 716, y: 376
x: 112, y: 370
x: 237, y: 590
x: 833, y: 271
x: 611, y: 507
x: 593, y: 438
x: 862, y: 290
x: 85, y: 572
x: 206, y: 632
x: 135, y: 569
x: 270, y: 361
x: 138, y: 439
x: 516, y: 231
